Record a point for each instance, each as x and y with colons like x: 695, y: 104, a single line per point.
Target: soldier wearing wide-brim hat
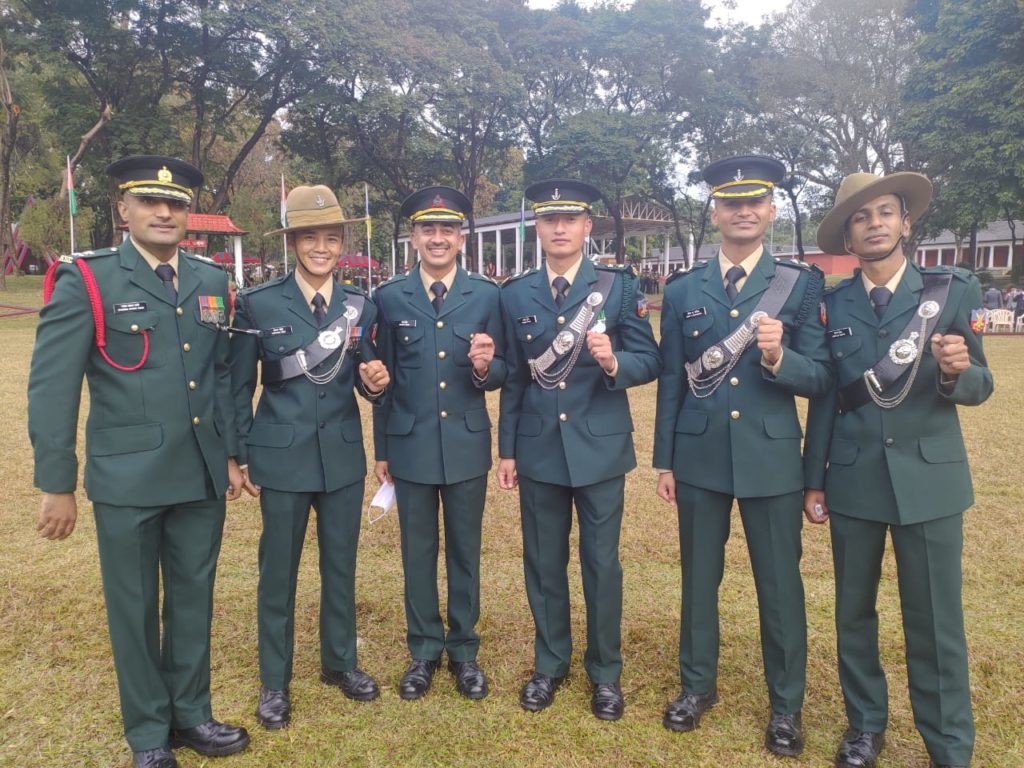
x: 577, y: 337
x: 885, y: 455
x: 740, y: 336
x: 310, y: 340
x: 139, y: 323
x: 441, y: 337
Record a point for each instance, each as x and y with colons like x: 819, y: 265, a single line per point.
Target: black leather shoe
x: 273, y: 710
x: 784, y: 736
x: 539, y: 692
x: 859, y: 749
x: 161, y: 757
x: 606, y: 702
x: 355, y: 684
x: 212, y: 739
x: 417, y: 679
x: 469, y: 679
x: 684, y: 713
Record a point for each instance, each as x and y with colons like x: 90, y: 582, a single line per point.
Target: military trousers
x: 285, y: 516
x: 772, y: 525
x: 546, y: 511
x: 463, y: 508
x: 928, y: 571
x: 163, y: 678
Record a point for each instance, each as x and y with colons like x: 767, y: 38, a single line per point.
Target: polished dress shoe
x: 212, y: 739
x: 355, y: 684
x: 417, y: 679
x: 469, y: 679
x: 539, y: 692
x: 161, y: 757
x: 273, y: 710
x: 784, y: 736
x: 684, y: 713
x: 606, y: 702
x: 859, y: 749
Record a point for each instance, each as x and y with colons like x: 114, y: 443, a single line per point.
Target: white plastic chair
x: 1000, y: 319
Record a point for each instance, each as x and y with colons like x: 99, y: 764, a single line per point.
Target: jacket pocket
x: 125, y: 344
x: 117, y: 440
x: 603, y: 424
x: 529, y: 334
x: 464, y: 333
x: 352, y: 430
x: 478, y: 420
x: 529, y: 424
x: 409, y: 346
x: 942, y: 450
x: 270, y: 435
x: 842, y: 452
x: 692, y: 422
x: 782, y: 425
x: 844, y: 347
x: 399, y: 423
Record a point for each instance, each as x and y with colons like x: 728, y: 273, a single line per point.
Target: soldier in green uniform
x: 577, y: 338
x: 139, y: 322
x: 884, y: 454
x: 311, y: 339
x: 740, y: 337
x: 439, y: 329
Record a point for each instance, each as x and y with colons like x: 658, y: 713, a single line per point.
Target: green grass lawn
x: 58, y: 695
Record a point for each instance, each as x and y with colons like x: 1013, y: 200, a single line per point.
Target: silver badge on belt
x: 330, y: 339
x: 928, y: 309
x: 563, y: 342
x: 904, y: 351
x: 712, y: 357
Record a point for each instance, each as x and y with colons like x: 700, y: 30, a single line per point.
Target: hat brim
x: 160, y: 194
x: 914, y: 188
x: 321, y: 225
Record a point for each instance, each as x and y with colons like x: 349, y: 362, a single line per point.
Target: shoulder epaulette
x: 68, y: 258
x: 786, y: 262
x: 262, y: 286
x: 202, y: 259
x: 524, y: 273
x: 350, y: 288
x: 625, y: 268
x: 394, y: 279
x: 484, y: 278
x: 946, y: 269
x: 841, y: 284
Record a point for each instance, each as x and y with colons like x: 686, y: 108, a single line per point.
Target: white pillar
x: 239, y: 274
x: 500, y: 262
x: 519, y: 251
x: 405, y: 254
x: 537, y: 253
x: 462, y: 255
x: 667, y: 251
x: 480, y: 244
x: 479, y: 260
x: 393, y: 258
x: 690, y: 250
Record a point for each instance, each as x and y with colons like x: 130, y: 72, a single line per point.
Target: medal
x: 904, y: 351
x: 329, y: 339
x: 599, y: 324
x: 594, y: 299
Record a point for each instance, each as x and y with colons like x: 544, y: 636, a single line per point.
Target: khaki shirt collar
x: 428, y: 281
x: 154, y: 262
x: 893, y: 281
x: 570, y: 273
x: 748, y: 265
x: 308, y: 291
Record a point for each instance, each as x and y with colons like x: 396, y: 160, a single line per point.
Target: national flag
x: 72, y: 199
x: 284, y: 204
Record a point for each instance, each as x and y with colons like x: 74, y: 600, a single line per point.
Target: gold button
x: 186, y: 346
x: 179, y: 311
x: 734, y: 381
x: 192, y: 385
x: 561, y: 385
x: 735, y: 415
x: 440, y: 323
x: 195, y: 420
x: 695, y: 334
x: 563, y: 417
x: 441, y: 355
x: 529, y: 337
x: 734, y: 313
x: 444, y: 414
x: 443, y: 384
x: 561, y: 320
x: 134, y: 328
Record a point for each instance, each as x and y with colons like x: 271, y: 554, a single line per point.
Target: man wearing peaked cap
x: 310, y: 339
x: 740, y: 337
x: 159, y: 434
x: 441, y: 337
x: 884, y: 454
x: 577, y: 337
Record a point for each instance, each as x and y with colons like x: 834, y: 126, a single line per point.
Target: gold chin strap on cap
x: 455, y: 215
x: 768, y: 187
x: 559, y: 205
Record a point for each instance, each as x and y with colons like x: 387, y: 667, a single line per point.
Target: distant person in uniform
x: 885, y: 455
x: 441, y: 337
x: 740, y: 339
x: 310, y: 339
x: 158, y: 436
x: 577, y: 338
x: 993, y: 298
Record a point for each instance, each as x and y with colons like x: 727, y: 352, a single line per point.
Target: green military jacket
x: 153, y: 435
x: 743, y: 439
x: 304, y: 437
x: 433, y: 427
x: 906, y: 464
x: 581, y: 433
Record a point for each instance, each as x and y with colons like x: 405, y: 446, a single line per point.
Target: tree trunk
x: 7, y: 138
x: 797, y: 222
x: 620, y: 235
x: 972, y: 253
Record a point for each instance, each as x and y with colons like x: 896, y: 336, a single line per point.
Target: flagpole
x: 284, y: 223
x: 72, y: 203
x: 369, y: 234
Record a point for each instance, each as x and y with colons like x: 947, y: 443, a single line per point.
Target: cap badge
x: 437, y: 202
x: 164, y: 176
x: 320, y: 202
x: 556, y: 195
x: 739, y: 175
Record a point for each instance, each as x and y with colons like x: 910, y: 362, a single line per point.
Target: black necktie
x: 439, y: 291
x: 319, y: 309
x: 166, y: 274
x: 561, y: 286
x: 880, y: 299
x: 733, y: 276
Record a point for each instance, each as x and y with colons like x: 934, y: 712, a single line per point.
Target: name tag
x: 692, y: 313
x: 281, y: 330
x: 528, y: 320
x: 406, y: 324
x: 130, y: 306
x: 838, y: 333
